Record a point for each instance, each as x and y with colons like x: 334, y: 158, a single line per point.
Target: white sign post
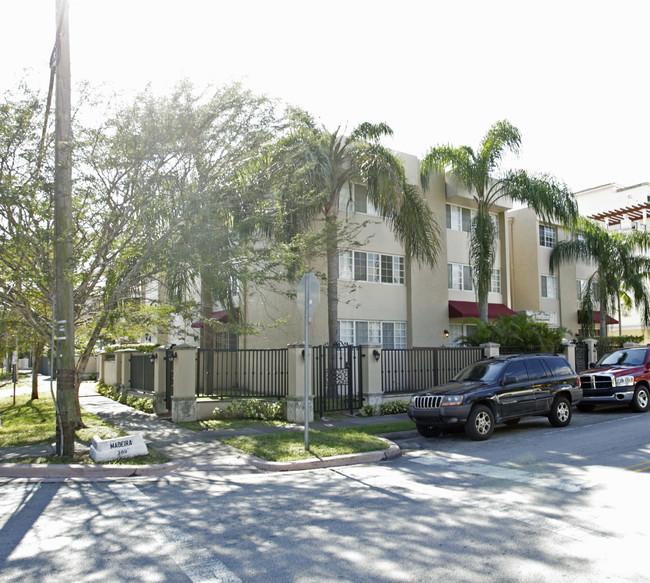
x: 308, y: 297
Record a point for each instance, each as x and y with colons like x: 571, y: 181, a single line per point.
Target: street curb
x: 391, y: 452
x: 18, y: 470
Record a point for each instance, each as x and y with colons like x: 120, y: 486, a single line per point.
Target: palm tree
x: 621, y: 266
x: 310, y: 168
x: 480, y: 173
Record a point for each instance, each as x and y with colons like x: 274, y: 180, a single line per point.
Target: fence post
x: 592, y: 353
x: 184, y: 397
x: 371, y: 381
x: 296, y: 388
x: 160, y: 379
x: 100, y: 367
x: 570, y: 353
x: 123, y: 358
x: 490, y: 349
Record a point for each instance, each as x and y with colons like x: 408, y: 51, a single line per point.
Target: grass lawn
x: 33, y: 422
x: 290, y: 445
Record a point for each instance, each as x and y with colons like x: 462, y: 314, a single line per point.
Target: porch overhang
x: 460, y: 309
x: 610, y: 320
x: 220, y: 316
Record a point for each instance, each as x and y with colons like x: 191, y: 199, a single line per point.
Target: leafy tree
x: 149, y: 178
x: 481, y: 174
x: 311, y: 165
x: 622, y: 266
x: 519, y: 331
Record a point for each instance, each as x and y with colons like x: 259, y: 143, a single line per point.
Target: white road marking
x: 200, y: 569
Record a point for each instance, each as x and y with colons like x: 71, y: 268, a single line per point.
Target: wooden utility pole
x: 63, y: 244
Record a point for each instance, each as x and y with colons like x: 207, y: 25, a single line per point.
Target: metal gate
x: 142, y: 366
x: 336, y: 378
x: 581, y: 356
x: 169, y: 377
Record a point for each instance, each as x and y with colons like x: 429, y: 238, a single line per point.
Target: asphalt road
x: 534, y: 503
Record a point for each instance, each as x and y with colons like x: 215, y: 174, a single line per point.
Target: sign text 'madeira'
x: 122, y: 443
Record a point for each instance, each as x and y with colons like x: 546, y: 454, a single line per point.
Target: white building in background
x: 623, y: 208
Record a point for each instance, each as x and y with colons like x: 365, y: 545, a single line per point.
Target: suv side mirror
x: 591, y: 365
x: 509, y: 379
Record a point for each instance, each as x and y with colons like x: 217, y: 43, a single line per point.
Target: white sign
x: 308, y: 290
x: 14, y: 358
x: 106, y: 450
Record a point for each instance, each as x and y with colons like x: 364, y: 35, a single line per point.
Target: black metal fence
x: 142, y: 366
x: 406, y: 370
x: 242, y: 373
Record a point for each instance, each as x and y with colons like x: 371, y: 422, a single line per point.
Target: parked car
x: 619, y: 377
x: 499, y: 390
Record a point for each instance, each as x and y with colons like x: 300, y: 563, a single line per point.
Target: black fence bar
x: 242, y: 373
x: 415, y: 369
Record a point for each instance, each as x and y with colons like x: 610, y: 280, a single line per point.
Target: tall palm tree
x: 481, y: 174
x: 311, y: 166
x: 621, y: 265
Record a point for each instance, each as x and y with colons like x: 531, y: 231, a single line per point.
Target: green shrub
x: 393, y: 407
x: 253, y: 409
x: 368, y: 410
x: 139, y: 403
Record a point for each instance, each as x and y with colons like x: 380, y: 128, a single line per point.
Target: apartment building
x: 619, y: 208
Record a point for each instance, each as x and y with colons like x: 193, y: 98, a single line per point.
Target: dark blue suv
x: 499, y: 390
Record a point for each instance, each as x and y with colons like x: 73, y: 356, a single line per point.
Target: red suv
x: 619, y: 377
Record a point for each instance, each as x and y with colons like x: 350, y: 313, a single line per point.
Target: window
x: 358, y: 202
x: 550, y: 287
x: 373, y: 267
x: 388, y: 334
x: 459, y: 277
x: 458, y: 330
x: 547, y: 236
x: 460, y: 219
x: 495, y: 281
x: 581, y: 288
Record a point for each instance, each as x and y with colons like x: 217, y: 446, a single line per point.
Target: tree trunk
x: 37, y: 353
x: 332, y: 279
x: 207, y: 339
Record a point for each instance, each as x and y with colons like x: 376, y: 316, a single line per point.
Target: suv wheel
x: 428, y: 430
x: 641, y: 399
x: 480, y: 423
x: 560, y: 415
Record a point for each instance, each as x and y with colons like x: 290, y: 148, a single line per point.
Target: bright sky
x: 572, y: 75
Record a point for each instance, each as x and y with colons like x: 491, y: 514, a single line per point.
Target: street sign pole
x: 308, y: 297
x: 307, y: 305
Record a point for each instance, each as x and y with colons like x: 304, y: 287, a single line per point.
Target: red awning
x: 220, y: 316
x: 610, y: 320
x: 470, y: 310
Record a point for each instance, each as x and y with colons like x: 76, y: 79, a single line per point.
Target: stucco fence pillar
x: 371, y: 385
x: 123, y: 360
x: 296, y: 359
x: 184, y: 397
x: 569, y: 351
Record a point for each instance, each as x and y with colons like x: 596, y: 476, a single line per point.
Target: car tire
x: 586, y: 407
x: 560, y: 415
x: 480, y: 423
x: 641, y: 399
x: 428, y: 430
x: 514, y: 421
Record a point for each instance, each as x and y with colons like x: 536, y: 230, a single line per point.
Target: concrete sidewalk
x: 198, y: 455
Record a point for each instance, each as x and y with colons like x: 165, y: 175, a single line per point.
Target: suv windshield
x: 623, y: 357
x: 481, y: 371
